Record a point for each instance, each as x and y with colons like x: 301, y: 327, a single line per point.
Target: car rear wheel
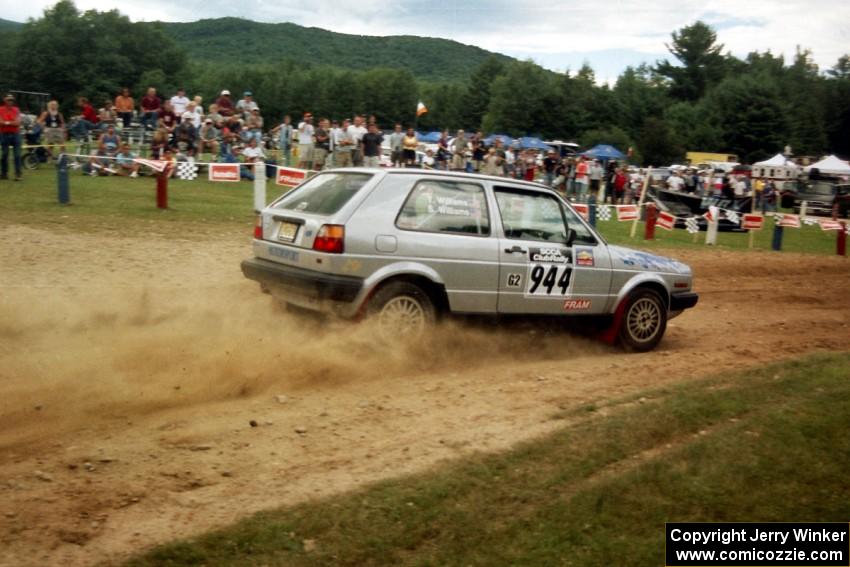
x: 402, y: 310
x: 644, y: 321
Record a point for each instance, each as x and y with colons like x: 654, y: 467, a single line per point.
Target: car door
x: 540, y: 270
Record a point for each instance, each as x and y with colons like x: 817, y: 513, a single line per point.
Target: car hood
x: 629, y: 259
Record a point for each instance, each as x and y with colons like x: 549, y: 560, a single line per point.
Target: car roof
x: 439, y: 173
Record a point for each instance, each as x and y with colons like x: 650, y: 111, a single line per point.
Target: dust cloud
x: 81, y: 354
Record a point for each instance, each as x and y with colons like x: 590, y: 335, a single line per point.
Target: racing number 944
x: 548, y: 279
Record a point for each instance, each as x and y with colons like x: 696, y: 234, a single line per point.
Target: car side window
x: 583, y: 234
x: 530, y: 215
x: 445, y: 206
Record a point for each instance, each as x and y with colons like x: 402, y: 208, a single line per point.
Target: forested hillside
x: 234, y: 40
x: 701, y: 98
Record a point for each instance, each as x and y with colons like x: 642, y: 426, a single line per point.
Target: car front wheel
x: 644, y: 321
x: 402, y: 310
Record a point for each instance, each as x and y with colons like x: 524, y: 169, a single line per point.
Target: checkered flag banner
x: 692, y: 225
x: 732, y: 216
x: 187, y: 171
x: 603, y: 213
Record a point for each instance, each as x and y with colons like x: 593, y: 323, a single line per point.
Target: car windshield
x: 324, y: 194
x: 819, y: 188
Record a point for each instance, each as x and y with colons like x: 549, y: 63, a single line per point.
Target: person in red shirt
x: 10, y: 136
x: 225, y: 104
x: 87, y: 121
x: 150, y: 109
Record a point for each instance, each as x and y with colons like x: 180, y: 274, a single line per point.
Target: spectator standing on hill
x: 675, y: 182
x: 284, y: 132
x: 493, y: 163
x: 410, y: 143
x: 306, y: 131
x: 530, y: 162
x: 357, y: 131
x: 323, y: 144
x: 10, y: 137
x: 549, y: 164
x: 596, y: 174
x: 621, y: 179
x: 179, y: 102
x: 458, y: 149
x: 396, y: 146
x: 124, y: 106
x: 343, y: 144
x: 476, y: 144
x: 53, y: 123
x: 225, y: 104
x: 581, y: 175
x: 371, y: 146
x: 246, y: 105
x: 150, y: 107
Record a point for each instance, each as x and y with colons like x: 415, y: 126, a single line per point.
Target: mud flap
x: 610, y: 334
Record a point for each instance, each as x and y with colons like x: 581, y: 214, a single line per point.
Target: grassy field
x: 764, y: 445
x: 105, y: 203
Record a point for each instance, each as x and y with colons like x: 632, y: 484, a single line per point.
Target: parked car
x: 408, y: 246
x: 820, y: 197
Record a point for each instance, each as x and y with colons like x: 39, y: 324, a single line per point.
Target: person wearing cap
x: 10, y: 136
x: 149, y: 107
x: 550, y: 162
x: 179, y: 102
x: 208, y: 137
x: 306, y: 131
x: 246, y: 105
x: 225, y: 105
x: 323, y: 144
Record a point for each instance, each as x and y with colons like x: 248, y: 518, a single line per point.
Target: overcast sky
x: 559, y: 35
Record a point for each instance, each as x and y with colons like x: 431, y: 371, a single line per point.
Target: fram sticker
x: 576, y: 305
x: 584, y: 256
x: 514, y: 280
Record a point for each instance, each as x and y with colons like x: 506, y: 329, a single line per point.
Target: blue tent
x: 604, y: 152
x: 428, y: 137
x: 530, y: 143
x: 504, y: 138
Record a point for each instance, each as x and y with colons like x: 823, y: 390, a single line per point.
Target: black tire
x: 30, y: 160
x: 644, y: 321
x: 402, y: 310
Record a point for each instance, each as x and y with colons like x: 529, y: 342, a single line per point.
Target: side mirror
x: 571, y: 236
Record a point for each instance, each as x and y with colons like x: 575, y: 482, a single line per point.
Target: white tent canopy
x: 831, y: 164
x: 778, y: 160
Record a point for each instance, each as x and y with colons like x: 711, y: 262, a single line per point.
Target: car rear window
x: 324, y: 194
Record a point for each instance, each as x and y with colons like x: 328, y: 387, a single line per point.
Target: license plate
x: 287, y: 231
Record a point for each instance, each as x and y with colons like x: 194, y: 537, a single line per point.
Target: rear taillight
x: 258, y: 228
x: 330, y: 239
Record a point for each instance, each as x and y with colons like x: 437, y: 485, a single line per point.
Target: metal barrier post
x: 591, y: 209
x: 62, y: 187
x: 841, y: 240
x: 651, y: 218
x: 777, y: 238
x: 162, y: 189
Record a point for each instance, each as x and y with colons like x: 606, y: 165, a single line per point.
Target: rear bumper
x: 305, y: 288
x: 683, y: 300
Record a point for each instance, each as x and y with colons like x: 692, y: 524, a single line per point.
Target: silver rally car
x: 407, y: 245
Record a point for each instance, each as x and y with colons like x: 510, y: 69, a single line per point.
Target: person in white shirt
x: 179, y: 102
x: 675, y: 182
x: 357, y: 131
x: 253, y: 152
x: 306, y: 131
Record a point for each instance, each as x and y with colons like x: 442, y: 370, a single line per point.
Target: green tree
x: 520, y: 101
x: 659, y: 144
x: 701, y: 62
x: 638, y: 96
x: 68, y: 53
x: 750, y: 115
x: 476, y: 99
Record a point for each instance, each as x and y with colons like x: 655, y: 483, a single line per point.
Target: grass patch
x: 764, y: 445
x: 108, y: 203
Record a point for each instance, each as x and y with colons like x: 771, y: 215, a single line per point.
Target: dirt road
x: 131, y: 368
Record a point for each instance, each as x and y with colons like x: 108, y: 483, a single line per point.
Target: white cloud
x: 541, y: 30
